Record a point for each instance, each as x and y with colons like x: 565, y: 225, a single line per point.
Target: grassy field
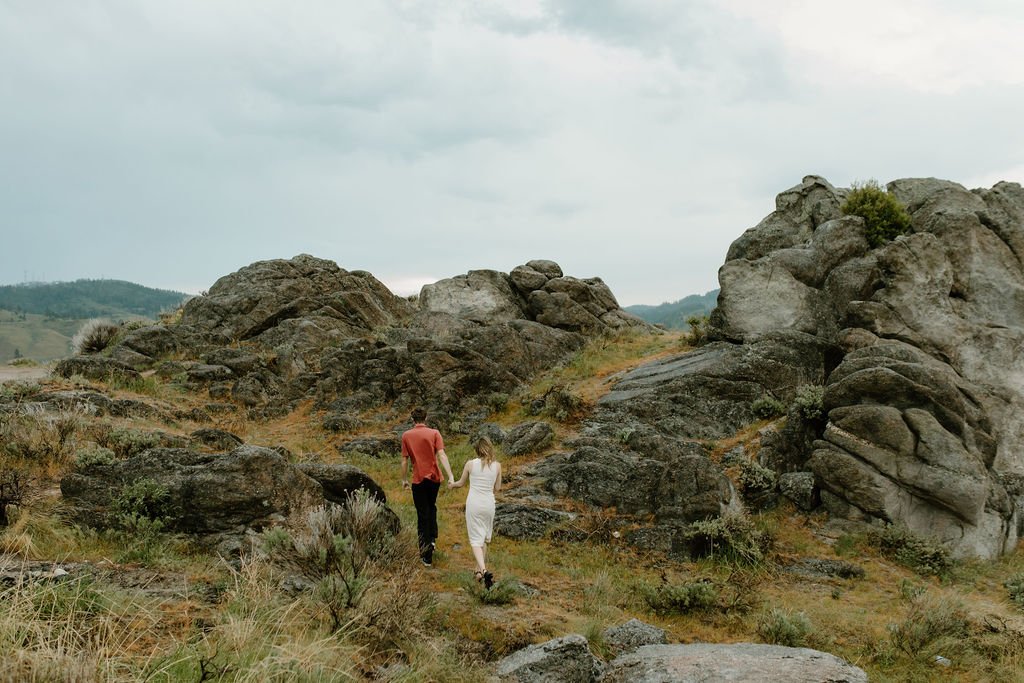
x: 38, y: 337
x: 235, y: 623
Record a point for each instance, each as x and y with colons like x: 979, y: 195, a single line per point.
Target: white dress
x: 480, y: 502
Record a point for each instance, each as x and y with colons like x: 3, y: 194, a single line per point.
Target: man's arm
x: 442, y: 458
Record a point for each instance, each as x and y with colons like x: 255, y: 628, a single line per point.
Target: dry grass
x: 423, y: 625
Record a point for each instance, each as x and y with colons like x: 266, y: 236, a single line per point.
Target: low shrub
x: 699, y: 328
x: 128, y: 442
x: 502, y: 592
x: 96, y: 455
x: 1015, y: 587
x: 922, y: 554
x: 94, y: 336
x: 755, y: 478
x: 784, y: 627
x: 680, y: 598
x: 733, y: 538
x: 768, y: 407
x: 884, y: 216
x: 930, y: 623
x: 809, y: 402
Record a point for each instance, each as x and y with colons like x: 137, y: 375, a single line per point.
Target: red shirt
x: 421, y: 444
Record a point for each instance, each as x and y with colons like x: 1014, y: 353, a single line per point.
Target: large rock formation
x: 277, y: 332
x: 918, y: 344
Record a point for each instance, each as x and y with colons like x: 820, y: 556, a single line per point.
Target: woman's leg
x: 478, y: 554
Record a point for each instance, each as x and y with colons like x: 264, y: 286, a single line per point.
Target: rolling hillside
x: 674, y: 315
x: 37, y: 320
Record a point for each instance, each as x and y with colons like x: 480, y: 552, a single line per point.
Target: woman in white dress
x: 484, y: 475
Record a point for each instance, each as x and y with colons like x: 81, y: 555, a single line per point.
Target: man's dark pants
x: 424, y: 496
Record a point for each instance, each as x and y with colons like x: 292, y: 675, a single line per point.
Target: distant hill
x: 674, y: 315
x: 38, y: 320
x: 88, y: 299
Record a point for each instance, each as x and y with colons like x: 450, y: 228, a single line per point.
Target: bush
x: 142, y: 499
x: 767, y: 407
x: 809, y: 402
x: 94, y: 336
x: 922, y: 554
x: 755, y: 478
x: 1015, y: 586
x: 929, y: 622
x: 503, y: 592
x: 733, y: 537
x: 784, y: 627
x: 128, y: 442
x: 340, y: 551
x: 884, y: 217
x: 680, y: 598
x: 88, y: 457
x: 699, y: 327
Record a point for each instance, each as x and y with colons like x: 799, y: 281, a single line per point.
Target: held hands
x: 405, y: 483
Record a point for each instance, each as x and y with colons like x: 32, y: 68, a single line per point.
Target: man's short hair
x: 419, y: 415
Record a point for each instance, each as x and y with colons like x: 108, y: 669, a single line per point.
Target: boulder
x: 528, y: 437
x: 521, y: 522
x: 731, y: 663
x: 631, y: 635
x: 208, y: 494
x: 799, y: 487
x: 563, y: 660
x: 484, y: 296
x: 216, y: 439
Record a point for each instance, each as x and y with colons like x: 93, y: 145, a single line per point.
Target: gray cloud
x: 173, y: 143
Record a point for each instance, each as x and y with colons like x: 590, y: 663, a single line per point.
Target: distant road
x: 10, y: 373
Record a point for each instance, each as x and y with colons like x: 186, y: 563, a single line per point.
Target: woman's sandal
x: 488, y: 580
x: 478, y: 575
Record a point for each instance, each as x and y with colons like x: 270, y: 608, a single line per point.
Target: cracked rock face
x: 278, y: 332
x: 925, y: 426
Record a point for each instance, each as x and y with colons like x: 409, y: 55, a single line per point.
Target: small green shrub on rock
x: 784, y: 627
x: 884, y: 217
x: 755, y: 477
x: 767, y: 407
x: 809, y: 402
x: 923, y: 555
x: 699, y: 328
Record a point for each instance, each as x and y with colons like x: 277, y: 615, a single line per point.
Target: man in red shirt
x: 425, y: 448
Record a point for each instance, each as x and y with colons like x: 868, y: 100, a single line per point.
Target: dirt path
x: 9, y: 373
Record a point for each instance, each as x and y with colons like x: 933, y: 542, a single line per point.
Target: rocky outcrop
x: 213, y: 497
x: 521, y: 522
x: 733, y: 663
x: 924, y: 397
x: 563, y: 660
x: 278, y: 332
x: 917, y: 345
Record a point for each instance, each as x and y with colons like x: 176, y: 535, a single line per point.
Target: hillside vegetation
x: 88, y: 299
x: 674, y: 315
x: 38, y: 320
x: 142, y: 604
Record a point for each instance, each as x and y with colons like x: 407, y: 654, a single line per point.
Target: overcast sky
x: 171, y: 143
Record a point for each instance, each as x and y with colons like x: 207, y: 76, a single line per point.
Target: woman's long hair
x: 485, y: 451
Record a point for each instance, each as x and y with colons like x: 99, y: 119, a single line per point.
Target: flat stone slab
x: 732, y: 663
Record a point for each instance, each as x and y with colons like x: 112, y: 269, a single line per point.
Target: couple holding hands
x: 424, y: 448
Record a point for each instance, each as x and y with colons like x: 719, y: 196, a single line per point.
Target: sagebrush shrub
x: 680, y: 598
x: 98, y: 455
x: 94, y: 336
x: 755, y: 477
x: 768, y: 407
x: 1015, y: 587
x: 809, y: 402
x: 922, y: 554
x: 929, y: 621
x: 699, y: 328
x: 884, y: 217
x: 733, y: 537
x: 784, y: 627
